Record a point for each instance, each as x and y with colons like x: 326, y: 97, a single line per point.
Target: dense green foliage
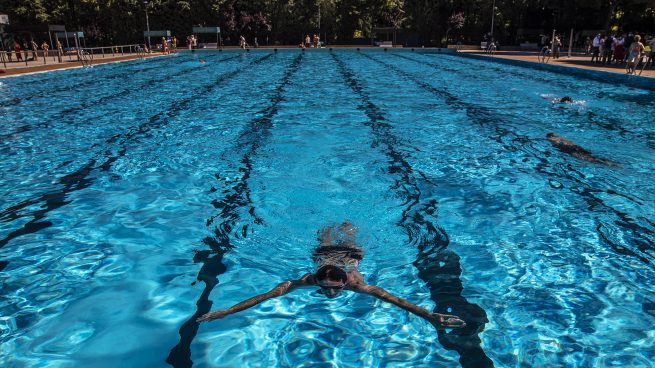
x: 425, y: 22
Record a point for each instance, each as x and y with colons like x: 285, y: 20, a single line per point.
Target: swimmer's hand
x: 444, y: 321
x: 212, y: 316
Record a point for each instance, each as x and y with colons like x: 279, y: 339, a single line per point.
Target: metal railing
x: 7, y: 57
x: 113, y: 50
x: 84, y: 55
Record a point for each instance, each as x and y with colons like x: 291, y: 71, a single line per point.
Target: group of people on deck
x: 618, y: 49
x: 310, y: 42
x: 549, y: 48
x: 608, y: 49
x: 243, y: 43
x: 30, y: 48
x: 168, y: 45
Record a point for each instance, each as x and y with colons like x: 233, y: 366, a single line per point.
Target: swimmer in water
x: 337, y: 257
x: 558, y: 100
x: 576, y: 151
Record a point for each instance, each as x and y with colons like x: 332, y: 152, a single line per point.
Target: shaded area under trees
x: 421, y: 22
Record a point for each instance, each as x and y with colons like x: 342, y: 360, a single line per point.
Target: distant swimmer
x: 561, y: 100
x: 202, y: 61
x: 566, y: 103
x: 576, y: 151
x: 337, y: 257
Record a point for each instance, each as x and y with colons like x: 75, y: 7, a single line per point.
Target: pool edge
x: 634, y: 81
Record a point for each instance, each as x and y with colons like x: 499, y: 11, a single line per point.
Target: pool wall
x: 428, y: 50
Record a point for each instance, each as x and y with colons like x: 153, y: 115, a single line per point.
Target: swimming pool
x: 137, y: 196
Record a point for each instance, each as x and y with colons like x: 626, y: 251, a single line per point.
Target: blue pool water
x: 137, y: 196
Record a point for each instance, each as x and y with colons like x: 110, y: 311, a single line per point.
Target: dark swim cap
x: 331, y: 272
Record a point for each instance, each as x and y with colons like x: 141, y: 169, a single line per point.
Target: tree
x: 455, y: 21
x: 286, y: 21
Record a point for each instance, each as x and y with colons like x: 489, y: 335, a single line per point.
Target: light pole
x: 319, y: 20
x: 147, y: 23
x: 493, y: 14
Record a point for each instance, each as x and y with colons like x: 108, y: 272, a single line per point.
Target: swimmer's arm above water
x: 281, y: 289
x: 438, y: 320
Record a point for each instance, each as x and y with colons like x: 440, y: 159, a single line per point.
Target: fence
x: 84, y: 55
x: 113, y: 50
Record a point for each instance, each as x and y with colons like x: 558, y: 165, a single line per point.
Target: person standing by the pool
x: 26, y: 49
x: 544, y: 54
x: 595, y: 50
x: 557, y: 44
x: 7, y: 47
x: 651, y: 56
x: 337, y: 257
x: 628, y: 43
x: 45, y: 47
x: 634, y: 54
x: 607, y: 50
x: 19, y: 56
x: 587, y: 46
x: 60, y: 50
x: 35, y: 50
x: 164, y: 46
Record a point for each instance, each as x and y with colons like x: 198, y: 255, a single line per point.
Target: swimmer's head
x: 566, y: 99
x: 331, y: 279
x: 551, y: 135
x: 348, y: 227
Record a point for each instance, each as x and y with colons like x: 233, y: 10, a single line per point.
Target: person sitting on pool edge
x: 576, y: 151
x: 337, y: 257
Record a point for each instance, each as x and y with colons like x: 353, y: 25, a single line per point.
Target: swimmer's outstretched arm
x: 281, y: 289
x: 438, y: 320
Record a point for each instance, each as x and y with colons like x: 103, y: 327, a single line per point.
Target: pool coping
x: 431, y: 50
x: 634, y: 81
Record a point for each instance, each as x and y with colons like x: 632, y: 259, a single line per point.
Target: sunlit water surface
x: 137, y: 196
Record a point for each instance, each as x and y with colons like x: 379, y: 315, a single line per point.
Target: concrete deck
x: 576, y: 60
x: 21, y: 67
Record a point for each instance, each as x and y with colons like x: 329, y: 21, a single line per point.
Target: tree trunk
x: 72, y: 14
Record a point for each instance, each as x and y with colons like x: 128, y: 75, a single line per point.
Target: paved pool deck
x: 577, y: 60
x: 31, y: 66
